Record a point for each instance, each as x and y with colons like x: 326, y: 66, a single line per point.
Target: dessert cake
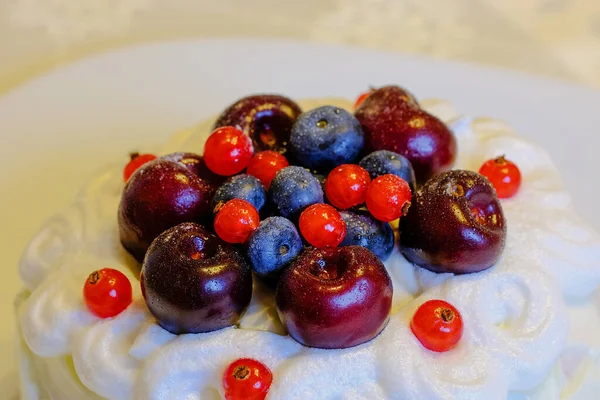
x: 295, y: 280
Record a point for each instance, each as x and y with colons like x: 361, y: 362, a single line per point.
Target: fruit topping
x: 293, y: 189
x: 227, y: 151
x: 265, y: 165
x: 245, y: 187
x: 388, y: 197
x: 364, y: 230
x: 236, y: 220
x: 273, y: 246
x: 395, y: 96
x: 326, y: 137
x: 346, y: 186
x: 267, y: 119
x: 504, y: 175
x: 161, y: 194
x: 438, y: 325
x: 107, y: 292
x: 195, y: 163
x: 194, y: 282
x: 455, y: 224
x: 136, y: 161
x: 334, y: 297
x: 247, y: 379
x: 383, y: 162
x: 391, y: 120
x: 322, y: 226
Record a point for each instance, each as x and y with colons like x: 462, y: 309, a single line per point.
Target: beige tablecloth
x: 556, y: 38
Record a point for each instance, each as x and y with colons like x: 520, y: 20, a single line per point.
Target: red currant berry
x: 136, y: 161
x: 504, y: 175
x: 346, y: 186
x: 265, y: 165
x: 388, y: 197
x: 438, y: 325
x: 362, y: 98
x: 236, y: 220
x: 247, y: 379
x: 107, y: 292
x: 227, y: 151
x: 322, y: 226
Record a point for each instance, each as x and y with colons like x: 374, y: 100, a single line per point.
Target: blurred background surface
x: 555, y: 38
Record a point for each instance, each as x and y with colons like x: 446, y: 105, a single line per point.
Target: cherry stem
x: 447, y: 315
x: 94, y: 277
x: 134, y: 155
x: 242, y: 372
x: 218, y: 207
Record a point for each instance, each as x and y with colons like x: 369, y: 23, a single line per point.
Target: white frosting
x: 514, y: 314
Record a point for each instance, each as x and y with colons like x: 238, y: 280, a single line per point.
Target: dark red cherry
x: 194, y: 282
x: 335, y: 297
x: 159, y: 195
x: 195, y: 163
x: 266, y: 118
x: 454, y: 224
x: 391, y: 120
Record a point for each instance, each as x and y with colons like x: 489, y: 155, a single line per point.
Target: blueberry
x: 364, y: 230
x: 273, y: 246
x: 326, y: 137
x: 293, y: 189
x: 383, y: 162
x: 245, y: 187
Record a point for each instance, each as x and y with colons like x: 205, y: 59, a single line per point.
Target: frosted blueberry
x: 273, y: 246
x: 245, y: 187
x: 326, y: 137
x: 383, y: 162
x: 292, y: 190
x: 364, y: 230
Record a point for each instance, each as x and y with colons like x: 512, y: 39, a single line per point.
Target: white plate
x: 57, y: 129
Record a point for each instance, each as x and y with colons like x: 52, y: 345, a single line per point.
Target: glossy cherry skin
x: 334, y: 298
x: 322, y: 226
x: 504, y: 175
x: 394, y: 96
x: 247, y: 379
x: 266, y: 118
x: 454, y: 224
x: 438, y: 325
x: 159, y: 195
x: 194, y: 282
x: 107, y: 292
x: 392, y: 121
x: 195, y: 163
